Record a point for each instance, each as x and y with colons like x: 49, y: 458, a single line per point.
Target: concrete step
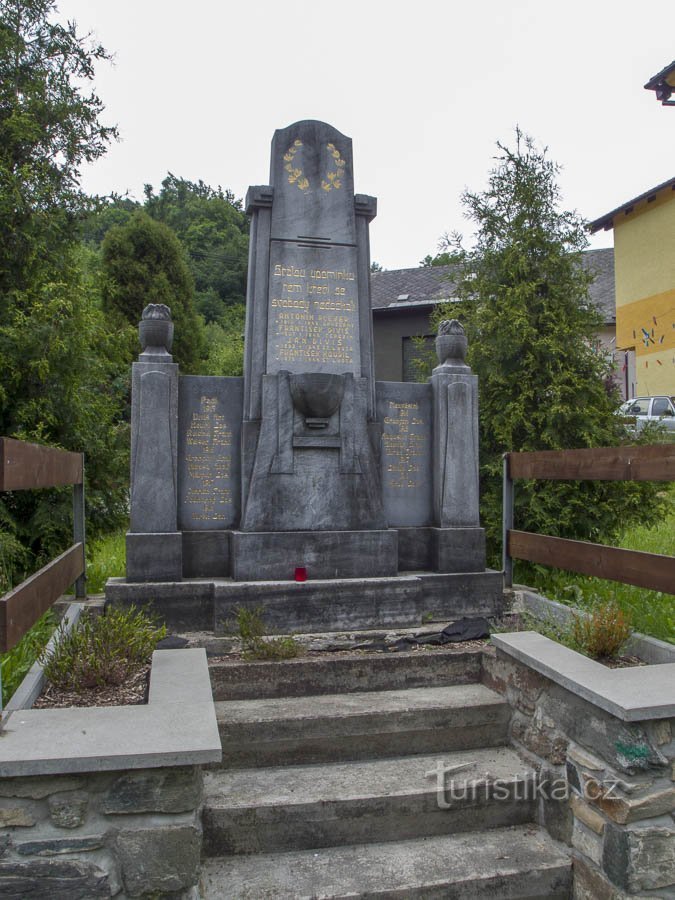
x: 505, y: 863
x: 301, y: 807
x: 330, y: 673
x: 360, y: 725
x: 403, y: 600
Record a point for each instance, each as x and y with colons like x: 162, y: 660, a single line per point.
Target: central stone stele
x: 311, y: 481
x: 306, y: 461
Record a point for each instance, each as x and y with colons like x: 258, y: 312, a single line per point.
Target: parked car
x: 641, y: 410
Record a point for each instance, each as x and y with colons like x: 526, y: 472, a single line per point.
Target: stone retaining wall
x: 106, y: 802
x: 606, y: 782
x: 124, y: 834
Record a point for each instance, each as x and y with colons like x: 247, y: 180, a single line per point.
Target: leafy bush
x: 255, y: 645
x: 602, y: 632
x: 103, y: 650
x: 14, y: 557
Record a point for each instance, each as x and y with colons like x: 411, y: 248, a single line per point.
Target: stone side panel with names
x: 405, y: 413
x: 209, y: 452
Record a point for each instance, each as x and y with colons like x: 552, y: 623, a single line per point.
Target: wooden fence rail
x: 648, y: 463
x: 25, y: 466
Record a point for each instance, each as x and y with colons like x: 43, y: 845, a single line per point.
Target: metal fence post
x: 507, y: 522
x: 79, y: 533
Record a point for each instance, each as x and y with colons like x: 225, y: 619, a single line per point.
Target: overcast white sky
x: 423, y: 88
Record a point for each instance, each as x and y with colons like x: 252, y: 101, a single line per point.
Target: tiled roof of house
x: 426, y: 286
x: 400, y: 287
x: 601, y: 264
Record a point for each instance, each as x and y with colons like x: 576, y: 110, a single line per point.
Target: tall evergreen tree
x: 531, y: 327
x: 144, y: 262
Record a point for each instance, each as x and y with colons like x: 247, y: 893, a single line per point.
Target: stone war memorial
x: 330, y: 505
x: 305, y: 467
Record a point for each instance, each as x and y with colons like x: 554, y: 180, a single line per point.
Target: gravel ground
x: 130, y: 693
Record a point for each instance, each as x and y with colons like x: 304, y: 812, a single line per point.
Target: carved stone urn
x: 451, y: 343
x: 316, y: 395
x: 155, y: 330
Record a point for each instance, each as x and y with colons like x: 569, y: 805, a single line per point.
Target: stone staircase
x: 330, y: 790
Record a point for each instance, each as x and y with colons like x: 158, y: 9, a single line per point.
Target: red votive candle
x: 300, y: 573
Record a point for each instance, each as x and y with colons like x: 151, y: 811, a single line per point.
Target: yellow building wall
x: 644, y: 260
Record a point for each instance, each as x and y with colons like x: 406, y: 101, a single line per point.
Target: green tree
x: 443, y: 258
x: 144, y: 262
x: 49, y: 125
x: 226, y: 342
x: 214, y: 231
x: 108, y: 211
x: 59, y: 374
x: 62, y: 384
x: 524, y: 302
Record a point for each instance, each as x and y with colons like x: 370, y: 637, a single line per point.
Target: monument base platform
x: 427, y: 548
x: 339, y: 604
x: 274, y: 555
x: 154, y: 556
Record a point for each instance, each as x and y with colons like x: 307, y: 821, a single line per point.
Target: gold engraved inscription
x: 404, y: 448
x: 209, y: 461
x: 313, y: 315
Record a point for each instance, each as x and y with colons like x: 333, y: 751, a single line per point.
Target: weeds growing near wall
x: 254, y: 643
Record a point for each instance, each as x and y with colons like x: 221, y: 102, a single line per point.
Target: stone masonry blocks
x: 136, y: 831
x: 621, y: 794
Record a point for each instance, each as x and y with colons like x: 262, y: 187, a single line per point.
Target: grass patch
x: 650, y: 612
x: 106, y: 558
x: 15, y: 663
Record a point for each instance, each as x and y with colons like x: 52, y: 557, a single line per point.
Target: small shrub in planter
x: 102, y: 650
x: 602, y: 632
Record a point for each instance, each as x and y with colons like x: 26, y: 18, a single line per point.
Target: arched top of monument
x: 309, y: 127
x: 311, y: 170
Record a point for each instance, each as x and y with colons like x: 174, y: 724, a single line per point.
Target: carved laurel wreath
x: 295, y: 175
x: 333, y: 176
